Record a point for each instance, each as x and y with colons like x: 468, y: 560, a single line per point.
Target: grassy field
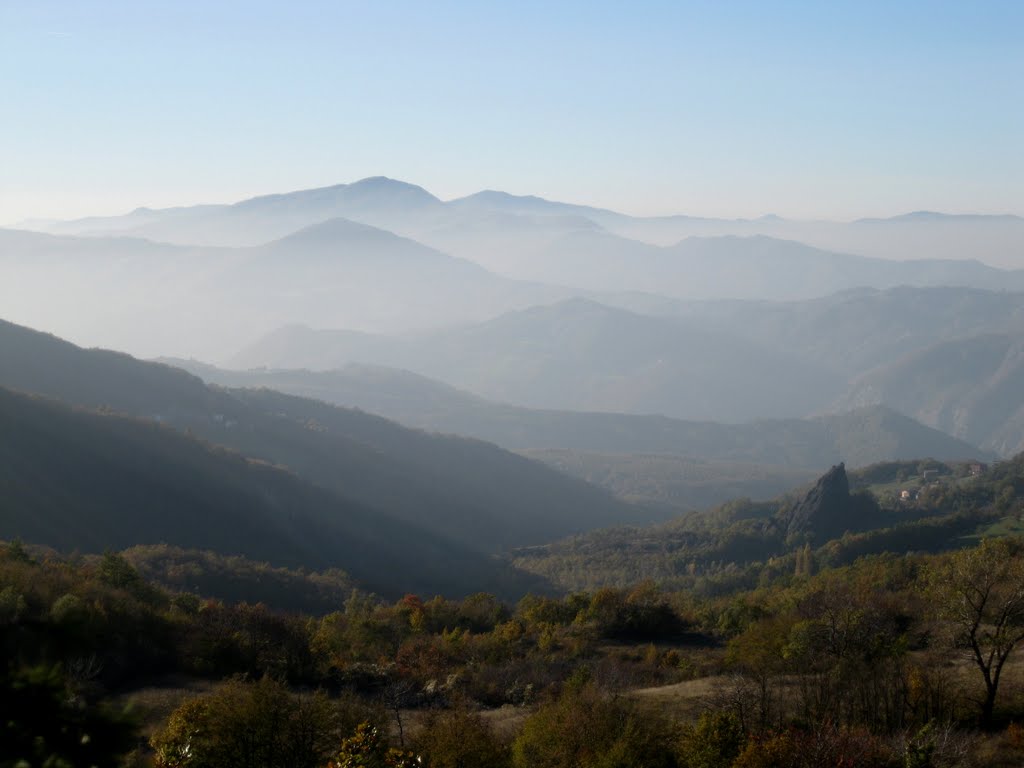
x: 1011, y: 525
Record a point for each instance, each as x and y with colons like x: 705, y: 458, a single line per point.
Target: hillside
x: 736, y: 267
x: 260, y: 219
x: 993, y: 239
x: 209, y: 301
x: 689, y: 360
x: 466, y: 490
x: 652, y: 458
x: 970, y: 387
x: 740, y: 544
x: 672, y: 482
x: 581, y: 355
x: 854, y: 331
x: 81, y: 481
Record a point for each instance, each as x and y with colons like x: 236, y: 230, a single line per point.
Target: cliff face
x: 828, y: 510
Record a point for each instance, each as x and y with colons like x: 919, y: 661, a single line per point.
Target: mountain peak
x: 332, y: 230
x: 498, y: 196
x: 384, y: 184
x: 378, y: 192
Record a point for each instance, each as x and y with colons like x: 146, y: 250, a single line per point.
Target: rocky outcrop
x: 828, y: 510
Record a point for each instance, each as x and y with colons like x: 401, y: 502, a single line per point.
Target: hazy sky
x: 717, y: 108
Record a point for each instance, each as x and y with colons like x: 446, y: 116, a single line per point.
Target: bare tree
x: 981, y: 592
x: 396, y: 696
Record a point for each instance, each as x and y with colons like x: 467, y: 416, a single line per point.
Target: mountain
x: 852, y: 331
x: 377, y: 280
x: 127, y: 292
x: 577, y: 354
x: 82, y: 481
x: 695, y: 361
x: 859, y: 438
x: 510, y: 234
x: 869, y: 434
x: 257, y: 220
x: 495, y: 201
x: 464, y: 490
x: 761, y: 459
x: 992, y: 239
x: 152, y: 298
x: 970, y: 387
x: 666, y: 464
x: 753, y: 267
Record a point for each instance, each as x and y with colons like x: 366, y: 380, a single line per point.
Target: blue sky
x: 833, y: 110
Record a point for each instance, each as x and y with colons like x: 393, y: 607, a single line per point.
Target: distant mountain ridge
x: 157, y: 298
x: 744, y: 267
x: 860, y: 437
x: 577, y: 354
x: 412, y: 211
x: 691, y: 361
x: 972, y: 387
x: 257, y: 220
x: 228, y: 274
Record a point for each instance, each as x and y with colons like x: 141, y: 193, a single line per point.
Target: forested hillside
x: 741, y: 542
x: 76, y: 480
x: 810, y: 662
x: 465, y: 490
x: 970, y: 387
x: 859, y: 437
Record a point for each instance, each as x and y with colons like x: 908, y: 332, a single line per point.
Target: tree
x: 758, y: 654
x: 713, y: 742
x: 981, y: 593
x: 248, y: 725
x: 117, y: 572
x: 460, y: 738
x: 366, y: 749
x: 586, y: 729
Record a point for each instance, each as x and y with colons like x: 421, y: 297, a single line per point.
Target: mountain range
x: 412, y: 211
x: 89, y: 482
x: 581, y: 355
x: 471, y: 494
x: 970, y: 387
x: 694, y: 361
x: 154, y: 298
x: 609, y: 345
x: 383, y: 256
x: 666, y: 463
x: 858, y: 437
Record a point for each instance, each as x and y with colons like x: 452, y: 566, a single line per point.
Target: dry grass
x: 155, y: 703
x: 681, y: 701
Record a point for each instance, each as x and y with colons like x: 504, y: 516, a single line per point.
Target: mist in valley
x: 565, y: 386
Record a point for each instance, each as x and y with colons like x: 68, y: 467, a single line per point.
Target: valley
x: 410, y: 477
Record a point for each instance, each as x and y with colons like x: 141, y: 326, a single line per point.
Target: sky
x: 737, y: 109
